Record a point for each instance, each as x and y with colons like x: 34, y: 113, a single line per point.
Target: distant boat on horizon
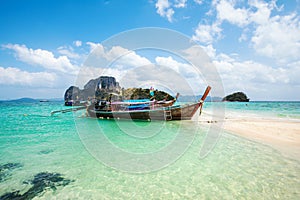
x: 44, y: 100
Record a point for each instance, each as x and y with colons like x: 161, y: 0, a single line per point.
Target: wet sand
x: 279, y: 133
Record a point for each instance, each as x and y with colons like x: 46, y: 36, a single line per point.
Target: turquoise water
x: 280, y: 109
x: 68, y: 156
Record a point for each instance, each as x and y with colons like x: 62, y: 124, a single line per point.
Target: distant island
x: 23, y: 100
x: 106, y: 88
x: 237, y: 96
x: 31, y: 100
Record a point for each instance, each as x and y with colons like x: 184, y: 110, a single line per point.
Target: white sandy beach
x: 279, y: 133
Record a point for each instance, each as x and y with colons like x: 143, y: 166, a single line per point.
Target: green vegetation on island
x: 140, y: 93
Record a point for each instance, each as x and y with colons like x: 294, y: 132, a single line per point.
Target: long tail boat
x: 150, y: 111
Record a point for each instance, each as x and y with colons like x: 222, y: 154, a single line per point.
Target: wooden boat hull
x: 184, y: 112
x: 180, y: 112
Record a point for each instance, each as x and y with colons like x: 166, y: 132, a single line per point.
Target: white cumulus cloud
x: 184, y: 69
x: 262, y: 13
x: 259, y: 80
x: 207, y: 33
x: 275, y: 36
x: 180, y: 3
x: 227, y: 11
x: 198, y: 1
x: 164, y: 9
x: 279, y: 38
x: 68, y: 51
x: 42, y: 58
x: 113, y: 57
x: 77, y: 43
x: 115, y: 61
x: 15, y: 76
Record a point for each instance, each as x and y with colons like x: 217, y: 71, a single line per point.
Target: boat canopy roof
x: 133, y: 102
x: 137, y: 100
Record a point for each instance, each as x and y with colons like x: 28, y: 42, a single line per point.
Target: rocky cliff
x: 99, y: 88
x: 105, y: 88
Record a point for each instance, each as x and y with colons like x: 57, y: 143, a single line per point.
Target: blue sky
x: 254, y: 44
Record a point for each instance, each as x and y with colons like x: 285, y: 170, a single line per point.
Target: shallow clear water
x: 235, y: 168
